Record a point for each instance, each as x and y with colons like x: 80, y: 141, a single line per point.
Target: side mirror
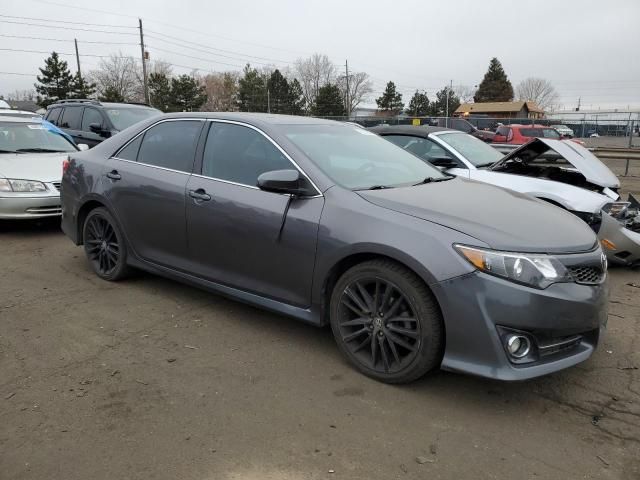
x: 83, y: 147
x: 95, y: 127
x: 444, y: 162
x: 283, y: 181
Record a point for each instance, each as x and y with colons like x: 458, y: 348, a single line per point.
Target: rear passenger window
x: 171, y: 145
x: 240, y: 154
x: 130, y: 152
x: 53, y: 115
x: 71, y: 118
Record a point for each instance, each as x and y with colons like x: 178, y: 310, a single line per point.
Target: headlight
x: 15, y: 185
x: 536, y: 270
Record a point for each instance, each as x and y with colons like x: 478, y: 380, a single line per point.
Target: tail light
x: 65, y: 165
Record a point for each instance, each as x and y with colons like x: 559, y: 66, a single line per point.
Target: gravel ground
x: 151, y: 379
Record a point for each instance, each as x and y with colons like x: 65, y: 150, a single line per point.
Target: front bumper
x: 621, y: 245
x: 25, y: 207
x: 477, y: 306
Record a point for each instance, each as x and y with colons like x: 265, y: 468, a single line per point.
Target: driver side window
x: 239, y: 154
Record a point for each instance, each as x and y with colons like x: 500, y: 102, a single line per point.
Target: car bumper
x: 25, y: 207
x: 621, y: 245
x: 564, y: 322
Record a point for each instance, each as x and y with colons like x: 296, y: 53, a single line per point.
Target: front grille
x: 588, y: 275
x: 57, y: 185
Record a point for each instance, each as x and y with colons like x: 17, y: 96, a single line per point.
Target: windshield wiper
x: 39, y: 150
x: 488, y: 164
x: 9, y: 151
x: 432, y: 180
x: 376, y: 187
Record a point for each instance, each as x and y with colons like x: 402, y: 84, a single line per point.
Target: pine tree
x: 296, y: 98
x: 81, y: 88
x: 186, y: 94
x: 160, y: 91
x: 252, y: 91
x: 438, y: 108
x: 329, y: 102
x: 495, y: 86
x: 391, y: 99
x: 279, y: 93
x: 111, y: 94
x: 419, y: 104
x: 55, y: 83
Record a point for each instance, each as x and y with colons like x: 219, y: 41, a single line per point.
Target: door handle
x: 200, y: 194
x: 114, y: 175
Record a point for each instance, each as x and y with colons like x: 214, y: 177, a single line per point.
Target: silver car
x: 31, y: 161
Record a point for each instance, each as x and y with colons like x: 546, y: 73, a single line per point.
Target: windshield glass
x: 357, y: 159
x: 17, y: 137
x: 123, y: 117
x: 471, y: 148
x: 539, y: 132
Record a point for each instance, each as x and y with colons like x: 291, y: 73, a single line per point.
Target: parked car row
x: 412, y: 267
x: 576, y: 180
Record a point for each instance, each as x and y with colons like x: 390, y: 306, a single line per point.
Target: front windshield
x: 31, y: 137
x: 471, y: 148
x: 123, y: 117
x: 357, y: 159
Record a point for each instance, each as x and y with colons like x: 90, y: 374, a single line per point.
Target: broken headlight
x: 627, y: 213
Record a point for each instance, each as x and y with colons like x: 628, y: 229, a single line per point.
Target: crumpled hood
x: 44, y: 167
x: 582, y: 159
x: 503, y: 219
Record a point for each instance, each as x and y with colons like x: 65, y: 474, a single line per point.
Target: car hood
x: 579, y: 157
x: 44, y: 167
x: 501, y: 218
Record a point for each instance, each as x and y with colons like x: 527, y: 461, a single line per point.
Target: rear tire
x: 386, y: 322
x: 104, y: 245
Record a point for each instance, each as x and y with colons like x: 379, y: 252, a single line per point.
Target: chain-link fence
x: 622, y: 133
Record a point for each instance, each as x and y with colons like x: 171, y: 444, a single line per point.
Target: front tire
x: 387, y: 322
x: 104, y: 245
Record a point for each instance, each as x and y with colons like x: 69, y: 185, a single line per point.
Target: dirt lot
x: 151, y: 379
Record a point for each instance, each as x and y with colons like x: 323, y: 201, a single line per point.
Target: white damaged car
x: 560, y: 172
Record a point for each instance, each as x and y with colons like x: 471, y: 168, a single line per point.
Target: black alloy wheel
x: 103, y: 245
x: 386, y: 321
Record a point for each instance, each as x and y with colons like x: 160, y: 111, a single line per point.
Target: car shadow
x: 31, y: 227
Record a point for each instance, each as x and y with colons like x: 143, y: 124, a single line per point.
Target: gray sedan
x: 413, y: 269
x: 32, y: 153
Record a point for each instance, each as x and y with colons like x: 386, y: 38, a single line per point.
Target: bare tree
x: 464, y: 93
x: 537, y: 90
x: 360, y: 86
x: 222, y: 92
x: 118, y: 74
x: 313, y: 73
x: 22, y: 95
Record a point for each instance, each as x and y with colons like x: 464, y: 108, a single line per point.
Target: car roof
x: 9, y: 118
x: 97, y: 104
x: 520, y: 125
x: 422, y: 131
x: 262, y: 118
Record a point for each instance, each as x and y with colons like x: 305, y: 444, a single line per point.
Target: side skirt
x: 306, y: 315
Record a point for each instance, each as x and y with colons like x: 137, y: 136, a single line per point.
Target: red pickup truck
x: 521, y: 134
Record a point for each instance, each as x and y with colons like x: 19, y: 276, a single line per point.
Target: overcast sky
x: 588, y: 49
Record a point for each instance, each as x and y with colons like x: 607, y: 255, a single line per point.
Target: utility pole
x: 448, y: 95
x: 144, y: 63
x: 75, y: 41
x: 346, y: 101
x: 268, y: 101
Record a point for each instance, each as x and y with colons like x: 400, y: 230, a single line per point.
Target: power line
x: 189, y: 45
x: 200, y: 58
x: 66, y: 40
x: 67, y: 21
x: 65, y: 53
x: 17, y: 73
x: 64, y: 27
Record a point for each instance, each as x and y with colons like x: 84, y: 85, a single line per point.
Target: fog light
x: 518, y: 346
